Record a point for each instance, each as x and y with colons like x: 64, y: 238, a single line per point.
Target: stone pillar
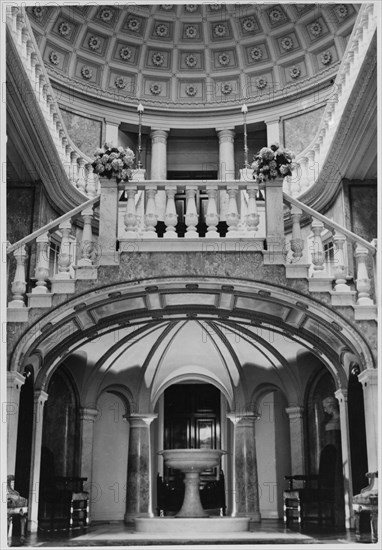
x: 296, y: 427
x: 87, y: 418
x: 274, y: 217
x: 108, y: 223
x: 244, y: 475
x: 273, y: 131
x: 15, y: 380
x: 342, y: 398
x: 369, y: 381
x: 226, y: 155
x: 159, y: 167
x: 226, y: 167
x: 139, y: 474
x: 34, y: 487
x: 111, y: 133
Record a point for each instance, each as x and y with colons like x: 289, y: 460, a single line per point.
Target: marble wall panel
x: 299, y: 131
x: 85, y: 132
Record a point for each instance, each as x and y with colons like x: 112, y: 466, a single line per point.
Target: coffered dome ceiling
x: 193, y: 55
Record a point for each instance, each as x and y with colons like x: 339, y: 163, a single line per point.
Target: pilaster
x: 15, y: 381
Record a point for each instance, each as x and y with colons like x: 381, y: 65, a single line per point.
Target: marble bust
x: 330, y: 405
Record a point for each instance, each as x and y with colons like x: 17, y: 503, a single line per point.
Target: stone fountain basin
x: 192, y: 460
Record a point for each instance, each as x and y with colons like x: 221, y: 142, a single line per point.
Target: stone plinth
x: 190, y: 526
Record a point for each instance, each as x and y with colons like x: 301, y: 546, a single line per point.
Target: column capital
x: 88, y: 414
x: 138, y: 420
x: 295, y: 412
x: 368, y: 377
x: 341, y: 395
x: 242, y: 417
x: 40, y: 396
x: 226, y: 134
x: 275, y: 120
x: 15, y: 380
x: 159, y: 136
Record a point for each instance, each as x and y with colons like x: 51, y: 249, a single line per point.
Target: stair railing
x: 328, y: 270
x: 77, y: 258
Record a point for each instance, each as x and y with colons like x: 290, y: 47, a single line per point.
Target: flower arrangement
x: 113, y: 161
x: 272, y: 162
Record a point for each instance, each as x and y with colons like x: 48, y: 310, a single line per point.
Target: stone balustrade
x: 310, y: 246
x: 321, y: 253
x: 62, y: 256
x: 78, y: 167
x: 311, y: 160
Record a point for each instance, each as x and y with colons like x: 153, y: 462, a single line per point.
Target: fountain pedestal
x: 192, y: 462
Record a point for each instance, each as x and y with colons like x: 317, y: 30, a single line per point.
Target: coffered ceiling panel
x: 192, y: 54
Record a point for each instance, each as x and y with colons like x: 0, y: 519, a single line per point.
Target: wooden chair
x: 312, y: 497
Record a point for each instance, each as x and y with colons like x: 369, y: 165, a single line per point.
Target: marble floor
x: 269, y: 534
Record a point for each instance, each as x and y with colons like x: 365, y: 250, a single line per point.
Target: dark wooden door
x: 191, y: 421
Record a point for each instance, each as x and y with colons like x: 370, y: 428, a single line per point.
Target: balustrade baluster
x: 64, y: 258
x: 232, y: 212
x: 74, y: 167
x: 212, y: 217
x: 339, y: 263
x: 81, y: 182
x: 191, y: 213
x: 363, y: 281
x: 252, y: 218
x: 19, y: 285
x: 42, y: 264
x: 87, y: 244
x: 130, y: 217
x: 296, y: 243
x: 171, y: 217
x: 151, y: 216
x: 318, y: 254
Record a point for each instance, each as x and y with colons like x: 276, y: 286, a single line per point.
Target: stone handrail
x: 53, y: 224
x: 311, y: 160
x: 77, y: 165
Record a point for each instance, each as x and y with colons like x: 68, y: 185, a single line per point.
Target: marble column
x: 87, y: 418
x: 273, y: 131
x: 159, y: 167
x: 10, y: 415
x: 108, y: 223
x: 226, y: 167
x: 139, y: 471
x: 40, y: 398
x: 244, y: 474
x: 342, y: 398
x: 369, y: 381
x: 111, y: 133
x: 296, y: 428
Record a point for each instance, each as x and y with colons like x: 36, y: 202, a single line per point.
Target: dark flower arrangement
x: 114, y: 161
x: 272, y: 162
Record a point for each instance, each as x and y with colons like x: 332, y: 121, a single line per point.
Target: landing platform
x: 190, y: 526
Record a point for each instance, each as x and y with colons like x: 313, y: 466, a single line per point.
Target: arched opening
x: 356, y: 413
x: 323, y: 437
x: 273, y: 452
x: 191, y: 420
x: 24, y: 434
x: 59, y: 450
x: 109, y: 465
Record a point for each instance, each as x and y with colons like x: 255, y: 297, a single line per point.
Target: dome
x: 192, y: 56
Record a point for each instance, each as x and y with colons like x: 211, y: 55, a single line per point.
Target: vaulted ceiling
x: 193, y: 54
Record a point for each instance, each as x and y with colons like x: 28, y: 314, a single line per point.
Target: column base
x: 63, y: 286
x: 297, y: 271
x: 85, y: 272
x: 39, y: 300
x: 365, y: 313
x: 320, y: 284
x: 17, y: 315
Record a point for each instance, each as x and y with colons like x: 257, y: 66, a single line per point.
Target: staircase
x: 306, y: 246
